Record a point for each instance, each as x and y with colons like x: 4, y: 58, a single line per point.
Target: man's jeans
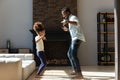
x: 72, y: 55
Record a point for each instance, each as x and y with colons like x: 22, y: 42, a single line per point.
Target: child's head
x: 39, y: 28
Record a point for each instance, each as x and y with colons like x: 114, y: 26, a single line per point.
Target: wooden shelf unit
x: 105, y: 38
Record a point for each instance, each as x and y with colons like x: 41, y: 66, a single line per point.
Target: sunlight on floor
x: 99, y: 75
x: 55, y: 75
x: 111, y: 74
x: 55, y: 72
x: 89, y: 73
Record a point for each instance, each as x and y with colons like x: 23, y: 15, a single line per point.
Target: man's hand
x: 64, y: 22
x: 65, y: 28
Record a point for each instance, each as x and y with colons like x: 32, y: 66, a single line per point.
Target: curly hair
x: 38, y: 26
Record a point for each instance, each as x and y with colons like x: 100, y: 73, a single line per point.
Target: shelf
x: 110, y: 63
x: 105, y: 35
x: 105, y: 22
x: 106, y: 53
x: 108, y: 13
x: 106, y: 32
x: 106, y: 42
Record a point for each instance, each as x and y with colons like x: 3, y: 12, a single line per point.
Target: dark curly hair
x: 38, y: 26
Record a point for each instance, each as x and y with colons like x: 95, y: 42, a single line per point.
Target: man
x: 76, y: 38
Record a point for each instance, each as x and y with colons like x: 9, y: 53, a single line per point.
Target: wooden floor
x: 89, y: 73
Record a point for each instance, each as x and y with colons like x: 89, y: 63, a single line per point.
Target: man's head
x: 65, y: 12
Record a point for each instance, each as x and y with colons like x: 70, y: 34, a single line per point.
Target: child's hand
x: 44, y: 38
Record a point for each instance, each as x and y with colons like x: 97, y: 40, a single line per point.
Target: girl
x: 40, y: 31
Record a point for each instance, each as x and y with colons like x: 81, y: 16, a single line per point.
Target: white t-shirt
x: 39, y: 44
x: 75, y: 31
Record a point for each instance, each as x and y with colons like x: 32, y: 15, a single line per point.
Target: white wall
x: 87, y: 13
x: 15, y: 22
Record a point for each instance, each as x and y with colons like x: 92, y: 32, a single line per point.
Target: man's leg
x: 76, y: 63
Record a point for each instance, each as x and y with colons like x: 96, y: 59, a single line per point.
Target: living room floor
x: 89, y: 73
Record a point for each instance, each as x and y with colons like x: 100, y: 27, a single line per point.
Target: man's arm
x: 66, y: 21
x: 65, y: 28
x: 72, y: 22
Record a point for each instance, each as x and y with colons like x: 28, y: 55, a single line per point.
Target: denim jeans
x: 73, y: 56
x: 42, y: 57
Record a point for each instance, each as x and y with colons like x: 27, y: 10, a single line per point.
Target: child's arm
x: 44, y: 38
x: 38, y: 38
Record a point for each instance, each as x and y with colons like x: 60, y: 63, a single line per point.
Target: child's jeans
x: 42, y: 57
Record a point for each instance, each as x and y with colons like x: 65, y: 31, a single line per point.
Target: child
x: 40, y: 31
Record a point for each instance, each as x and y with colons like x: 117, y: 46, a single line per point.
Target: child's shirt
x: 39, y: 44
